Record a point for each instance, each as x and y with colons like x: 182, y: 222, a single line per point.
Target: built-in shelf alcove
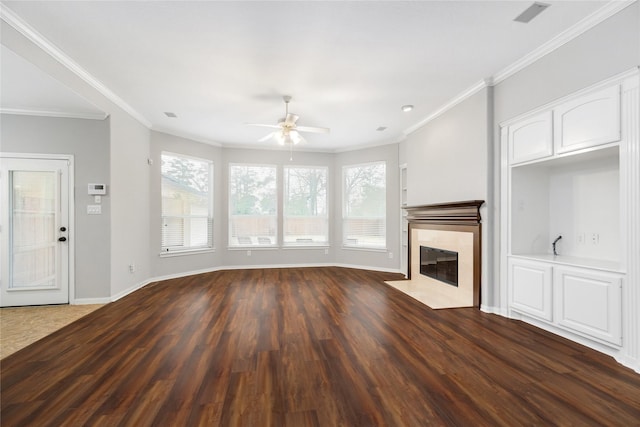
x: 576, y: 197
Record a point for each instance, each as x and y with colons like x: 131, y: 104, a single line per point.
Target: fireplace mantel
x: 453, y: 217
x: 457, y: 213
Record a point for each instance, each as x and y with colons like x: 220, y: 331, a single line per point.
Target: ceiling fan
x: 288, y: 133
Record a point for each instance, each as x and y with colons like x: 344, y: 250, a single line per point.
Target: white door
x: 34, y: 233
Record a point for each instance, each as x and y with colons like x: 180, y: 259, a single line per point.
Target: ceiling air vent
x: 531, y: 12
x: 170, y: 114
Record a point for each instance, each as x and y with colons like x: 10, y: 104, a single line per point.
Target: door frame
x: 72, y: 206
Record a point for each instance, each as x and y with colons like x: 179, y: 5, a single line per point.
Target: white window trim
x: 328, y: 201
x: 344, y: 245
x: 169, y: 252
x: 274, y: 245
x: 184, y: 252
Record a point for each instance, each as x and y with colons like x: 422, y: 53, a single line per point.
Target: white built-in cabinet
x: 531, y: 138
x: 588, y: 120
x: 589, y: 302
x: 531, y: 288
x: 571, y: 169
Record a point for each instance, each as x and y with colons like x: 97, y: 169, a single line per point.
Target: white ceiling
x: 349, y: 65
x: 26, y: 89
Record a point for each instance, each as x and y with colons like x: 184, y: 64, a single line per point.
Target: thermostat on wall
x: 97, y: 189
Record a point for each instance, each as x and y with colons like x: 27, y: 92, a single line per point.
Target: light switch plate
x: 94, y: 209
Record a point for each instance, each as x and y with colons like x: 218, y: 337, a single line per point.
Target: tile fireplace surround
x: 453, y: 227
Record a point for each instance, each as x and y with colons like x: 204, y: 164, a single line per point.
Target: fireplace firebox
x: 439, y: 264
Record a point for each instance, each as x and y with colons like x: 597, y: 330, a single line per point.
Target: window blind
x: 187, y: 203
x: 364, y: 205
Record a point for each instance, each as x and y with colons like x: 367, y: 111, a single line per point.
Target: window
x: 305, y: 220
x: 187, y: 203
x: 364, y: 205
x: 253, y: 216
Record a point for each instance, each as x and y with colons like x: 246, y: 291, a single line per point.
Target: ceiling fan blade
x: 264, y: 126
x: 267, y: 137
x: 291, y: 119
x: 312, y: 129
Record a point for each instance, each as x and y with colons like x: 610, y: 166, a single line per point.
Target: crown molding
x: 59, y: 114
x: 608, y: 10
x: 184, y: 135
x: 12, y: 19
x: 605, y: 12
x: 449, y: 105
x: 394, y: 141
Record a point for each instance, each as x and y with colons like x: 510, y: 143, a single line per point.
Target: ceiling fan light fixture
x: 295, y: 137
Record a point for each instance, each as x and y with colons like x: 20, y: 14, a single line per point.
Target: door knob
x: 62, y: 239
x: 63, y: 228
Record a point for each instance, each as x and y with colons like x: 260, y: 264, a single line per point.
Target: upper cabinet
x: 587, y: 121
x: 531, y: 138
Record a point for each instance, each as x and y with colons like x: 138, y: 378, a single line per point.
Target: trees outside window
x: 305, y: 219
x: 253, y: 214
x: 187, y: 203
x: 364, y: 205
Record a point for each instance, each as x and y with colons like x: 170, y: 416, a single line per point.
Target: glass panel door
x: 33, y: 237
x: 35, y: 224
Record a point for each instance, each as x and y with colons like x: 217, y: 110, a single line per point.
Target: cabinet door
x: 530, y: 288
x: 589, y: 302
x: 590, y: 120
x: 531, y: 138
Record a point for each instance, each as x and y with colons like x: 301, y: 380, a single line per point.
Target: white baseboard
x: 493, y: 310
x: 629, y: 362
x: 87, y: 301
x: 257, y: 266
x: 129, y: 290
x: 183, y: 274
x: 368, y: 267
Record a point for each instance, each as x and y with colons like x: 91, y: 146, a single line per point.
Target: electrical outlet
x: 94, y: 209
x: 248, y: 253
x: 580, y: 238
x: 132, y: 268
x: 390, y: 255
x: 326, y: 251
x: 595, y: 238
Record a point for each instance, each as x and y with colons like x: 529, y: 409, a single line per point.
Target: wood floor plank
x: 307, y: 347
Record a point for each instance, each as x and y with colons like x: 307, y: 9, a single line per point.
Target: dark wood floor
x: 307, y: 347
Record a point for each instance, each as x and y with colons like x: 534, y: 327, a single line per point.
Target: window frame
x: 186, y: 250
x: 252, y: 245
x: 344, y: 243
x: 327, y: 241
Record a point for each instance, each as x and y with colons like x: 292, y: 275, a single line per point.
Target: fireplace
x: 444, y: 265
x: 439, y: 264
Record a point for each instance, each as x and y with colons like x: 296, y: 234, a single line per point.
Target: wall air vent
x: 531, y: 12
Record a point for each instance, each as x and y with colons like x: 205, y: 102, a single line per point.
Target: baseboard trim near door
x: 87, y: 301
